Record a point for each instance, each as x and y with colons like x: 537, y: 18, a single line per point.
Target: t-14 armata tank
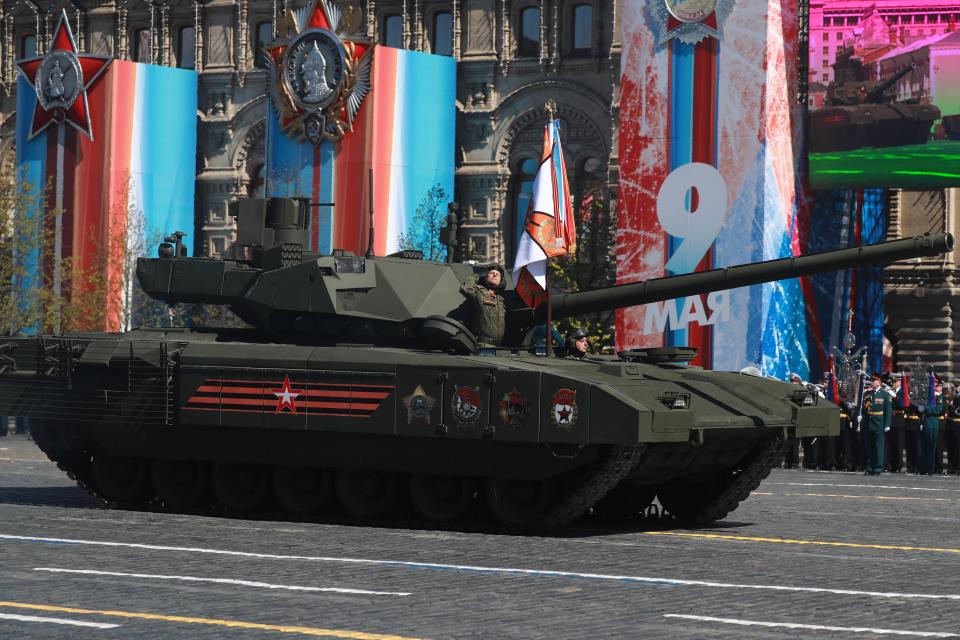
x: 359, y: 392
x: 865, y: 113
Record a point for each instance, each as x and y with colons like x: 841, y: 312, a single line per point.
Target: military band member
x: 911, y: 433
x: 826, y: 446
x: 895, y: 437
x: 878, y: 414
x: 791, y: 456
x: 929, y: 432
x: 952, y: 427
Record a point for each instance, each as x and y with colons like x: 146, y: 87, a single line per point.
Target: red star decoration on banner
x: 77, y: 112
x: 285, y: 396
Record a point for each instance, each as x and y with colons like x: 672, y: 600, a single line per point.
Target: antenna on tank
x: 370, y: 253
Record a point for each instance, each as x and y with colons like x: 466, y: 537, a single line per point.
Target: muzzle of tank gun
x: 671, y: 287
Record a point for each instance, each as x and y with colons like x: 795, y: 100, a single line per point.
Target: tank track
x: 742, y: 484
x: 618, y: 467
x: 622, y: 461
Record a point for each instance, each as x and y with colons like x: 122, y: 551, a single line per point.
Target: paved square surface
x: 810, y: 555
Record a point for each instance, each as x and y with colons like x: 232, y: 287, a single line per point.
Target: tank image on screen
x: 864, y: 135
x: 359, y: 391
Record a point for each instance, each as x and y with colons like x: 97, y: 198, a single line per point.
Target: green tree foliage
x: 423, y: 231
x: 592, y: 266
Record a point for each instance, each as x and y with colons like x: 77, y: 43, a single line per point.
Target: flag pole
x: 551, y: 108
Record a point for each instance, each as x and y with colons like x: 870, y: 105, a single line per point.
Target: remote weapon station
x: 360, y: 390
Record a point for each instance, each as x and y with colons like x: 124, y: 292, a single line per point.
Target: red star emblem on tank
x: 286, y: 397
x: 61, y: 79
x: 319, y: 64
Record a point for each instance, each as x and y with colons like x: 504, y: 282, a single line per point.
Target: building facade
x: 513, y: 55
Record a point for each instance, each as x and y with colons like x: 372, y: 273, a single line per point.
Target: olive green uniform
x: 489, y: 314
x: 929, y: 433
x: 878, y: 415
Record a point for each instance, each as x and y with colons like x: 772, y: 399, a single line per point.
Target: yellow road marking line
x: 847, y: 495
x: 237, y: 624
x: 821, y: 543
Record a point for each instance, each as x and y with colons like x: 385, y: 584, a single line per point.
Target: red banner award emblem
x: 61, y: 79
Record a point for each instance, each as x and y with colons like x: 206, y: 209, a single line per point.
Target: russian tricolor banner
x: 405, y: 133
x: 120, y: 191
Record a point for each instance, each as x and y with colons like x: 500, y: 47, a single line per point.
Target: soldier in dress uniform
x: 826, y: 446
x: 952, y: 427
x: 895, y: 437
x: 791, y: 457
x: 489, y: 309
x: 930, y: 432
x: 878, y: 414
x: 911, y: 433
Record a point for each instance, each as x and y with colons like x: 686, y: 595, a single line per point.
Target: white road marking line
x: 72, y: 623
x: 243, y: 583
x: 815, y: 627
x: 858, y: 486
x: 480, y: 569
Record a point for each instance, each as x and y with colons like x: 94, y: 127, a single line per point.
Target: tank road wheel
x: 441, y: 498
x: 625, y: 501
x: 688, y: 501
x: 302, y: 489
x: 367, y: 494
x: 181, y: 483
x: 60, y: 442
x: 241, y: 487
x: 518, y: 502
x: 119, y: 479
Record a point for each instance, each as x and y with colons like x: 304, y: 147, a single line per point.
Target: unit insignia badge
x: 320, y: 70
x: 513, y: 408
x: 61, y: 79
x: 689, y: 21
x: 563, y: 409
x: 419, y: 405
x: 466, y: 405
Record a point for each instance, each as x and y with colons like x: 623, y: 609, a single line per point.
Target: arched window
x: 442, y: 44
x: 582, y: 35
x: 391, y: 33
x: 28, y: 47
x: 142, y: 41
x: 529, y: 33
x: 187, y: 48
x: 522, y: 192
x: 255, y: 188
x: 264, y: 35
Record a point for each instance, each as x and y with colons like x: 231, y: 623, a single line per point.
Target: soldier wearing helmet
x: 578, y: 346
x: 488, y: 307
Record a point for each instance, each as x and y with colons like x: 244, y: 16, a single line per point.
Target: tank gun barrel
x: 879, y: 90
x: 668, y: 288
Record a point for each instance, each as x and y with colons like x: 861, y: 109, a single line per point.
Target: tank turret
x: 861, y: 112
x: 294, y: 295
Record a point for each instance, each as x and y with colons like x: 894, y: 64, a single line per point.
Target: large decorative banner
x: 114, y: 145
x: 341, y: 106
x: 708, y: 147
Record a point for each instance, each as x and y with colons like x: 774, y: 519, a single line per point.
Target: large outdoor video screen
x: 884, y: 101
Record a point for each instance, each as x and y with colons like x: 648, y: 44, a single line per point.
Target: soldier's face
x: 875, y: 383
x: 493, y: 278
x: 582, y: 344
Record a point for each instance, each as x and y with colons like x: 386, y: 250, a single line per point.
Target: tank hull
x: 123, y: 413
x: 844, y: 128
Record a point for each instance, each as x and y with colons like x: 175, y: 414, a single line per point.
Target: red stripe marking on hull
x: 307, y: 413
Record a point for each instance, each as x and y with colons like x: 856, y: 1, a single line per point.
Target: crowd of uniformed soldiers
x: 887, y: 433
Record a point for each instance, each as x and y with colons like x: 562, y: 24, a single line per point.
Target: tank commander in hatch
x: 488, y: 308
x: 577, y: 345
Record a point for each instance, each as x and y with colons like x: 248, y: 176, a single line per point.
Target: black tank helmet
x: 482, y: 278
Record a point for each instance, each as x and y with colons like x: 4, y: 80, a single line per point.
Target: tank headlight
x: 675, y: 400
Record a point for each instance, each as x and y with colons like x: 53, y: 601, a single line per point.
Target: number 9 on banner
x: 691, y: 206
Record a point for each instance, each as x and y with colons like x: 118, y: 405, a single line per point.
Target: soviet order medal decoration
x: 61, y: 79
x: 320, y: 71
x: 689, y: 21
